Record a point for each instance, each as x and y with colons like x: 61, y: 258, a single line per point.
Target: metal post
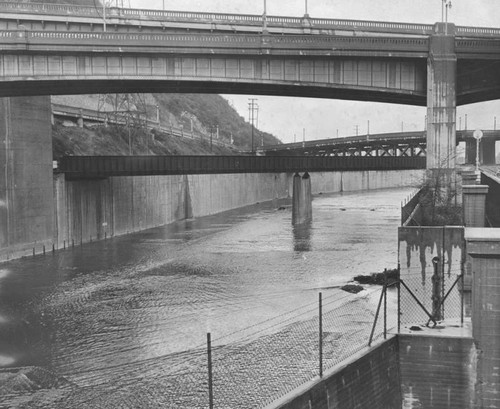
x: 376, y: 318
x: 104, y: 14
x: 264, y: 18
x: 385, y: 306
x: 320, y: 335
x: 399, y: 298
x: 462, y: 302
x: 210, y: 378
x: 436, y: 291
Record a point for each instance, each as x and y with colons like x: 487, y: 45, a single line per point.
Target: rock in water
x: 352, y: 288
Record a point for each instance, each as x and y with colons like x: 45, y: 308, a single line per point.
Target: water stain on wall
x: 429, y: 242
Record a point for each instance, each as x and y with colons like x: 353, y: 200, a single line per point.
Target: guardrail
x: 46, y: 9
x: 105, y: 166
x: 121, y: 119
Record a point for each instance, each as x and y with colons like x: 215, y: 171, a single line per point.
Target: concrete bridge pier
x: 26, y: 191
x: 441, y: 98
x: 301, y: 199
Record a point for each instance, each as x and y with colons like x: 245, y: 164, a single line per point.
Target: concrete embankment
x: 90, y: 210
x: 95, y: 209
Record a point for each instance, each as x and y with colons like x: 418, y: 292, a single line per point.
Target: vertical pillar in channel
x: 302, y: 199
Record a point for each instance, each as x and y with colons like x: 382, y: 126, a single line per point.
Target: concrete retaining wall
x: 437, y: 372
x: 26, y: 203
x: 95, y: 209
x: 332, y: 182
x: 367, y: 381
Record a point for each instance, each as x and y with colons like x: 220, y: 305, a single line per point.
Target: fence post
x: 210, y: 379
x: 385, y: 305
x: 376, y: 318
x: 462, y: 301
x: 399, y: 298
x: 320, y: 335
x: 436, y: 291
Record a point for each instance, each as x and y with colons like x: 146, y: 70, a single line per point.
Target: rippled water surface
x: 131, y: 314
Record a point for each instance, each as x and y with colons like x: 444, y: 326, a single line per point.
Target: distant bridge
x: 412, y: 144
x: 91, y: 167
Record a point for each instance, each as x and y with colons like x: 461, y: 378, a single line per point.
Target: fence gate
x: 431, y: 261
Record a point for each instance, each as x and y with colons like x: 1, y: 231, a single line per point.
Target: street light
x: 478, y: 134
x: 447, y: 5
x: 264, y: 18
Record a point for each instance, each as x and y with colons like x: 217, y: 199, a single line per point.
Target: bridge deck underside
x: 171, y: 68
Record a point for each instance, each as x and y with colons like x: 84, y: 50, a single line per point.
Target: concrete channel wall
x: 89, y: 210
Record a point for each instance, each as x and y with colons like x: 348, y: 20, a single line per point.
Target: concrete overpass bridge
x: 59, y: 49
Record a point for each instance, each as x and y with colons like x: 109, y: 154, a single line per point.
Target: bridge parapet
x: 247, y: 43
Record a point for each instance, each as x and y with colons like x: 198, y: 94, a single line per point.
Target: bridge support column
x: 26, y: 188
x: 302, y: 199
x: 441, y: 98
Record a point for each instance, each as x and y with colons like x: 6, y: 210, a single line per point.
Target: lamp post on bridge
x: 264, y: 19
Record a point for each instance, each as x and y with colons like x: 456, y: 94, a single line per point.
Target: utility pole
x: 356, y: 128
x: 252, y: 106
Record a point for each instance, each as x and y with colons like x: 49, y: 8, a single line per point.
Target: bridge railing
x: 243, y: 19
x: 207, y: 17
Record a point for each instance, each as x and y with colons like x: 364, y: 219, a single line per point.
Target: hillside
x: 197, y: 115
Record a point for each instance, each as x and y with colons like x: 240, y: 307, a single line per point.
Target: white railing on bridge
x: 246, y: 19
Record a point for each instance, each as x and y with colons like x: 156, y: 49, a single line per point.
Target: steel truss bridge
x: 406, y: 144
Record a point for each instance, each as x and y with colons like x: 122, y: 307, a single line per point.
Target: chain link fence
x: 250, y: 368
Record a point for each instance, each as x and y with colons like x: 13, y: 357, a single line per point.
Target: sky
x: 293, y: 118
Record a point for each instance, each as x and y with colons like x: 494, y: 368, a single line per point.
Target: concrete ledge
x: 475, y: 189
x: 482, y: 241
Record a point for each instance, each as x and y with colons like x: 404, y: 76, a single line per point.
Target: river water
x: 124, y: 322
